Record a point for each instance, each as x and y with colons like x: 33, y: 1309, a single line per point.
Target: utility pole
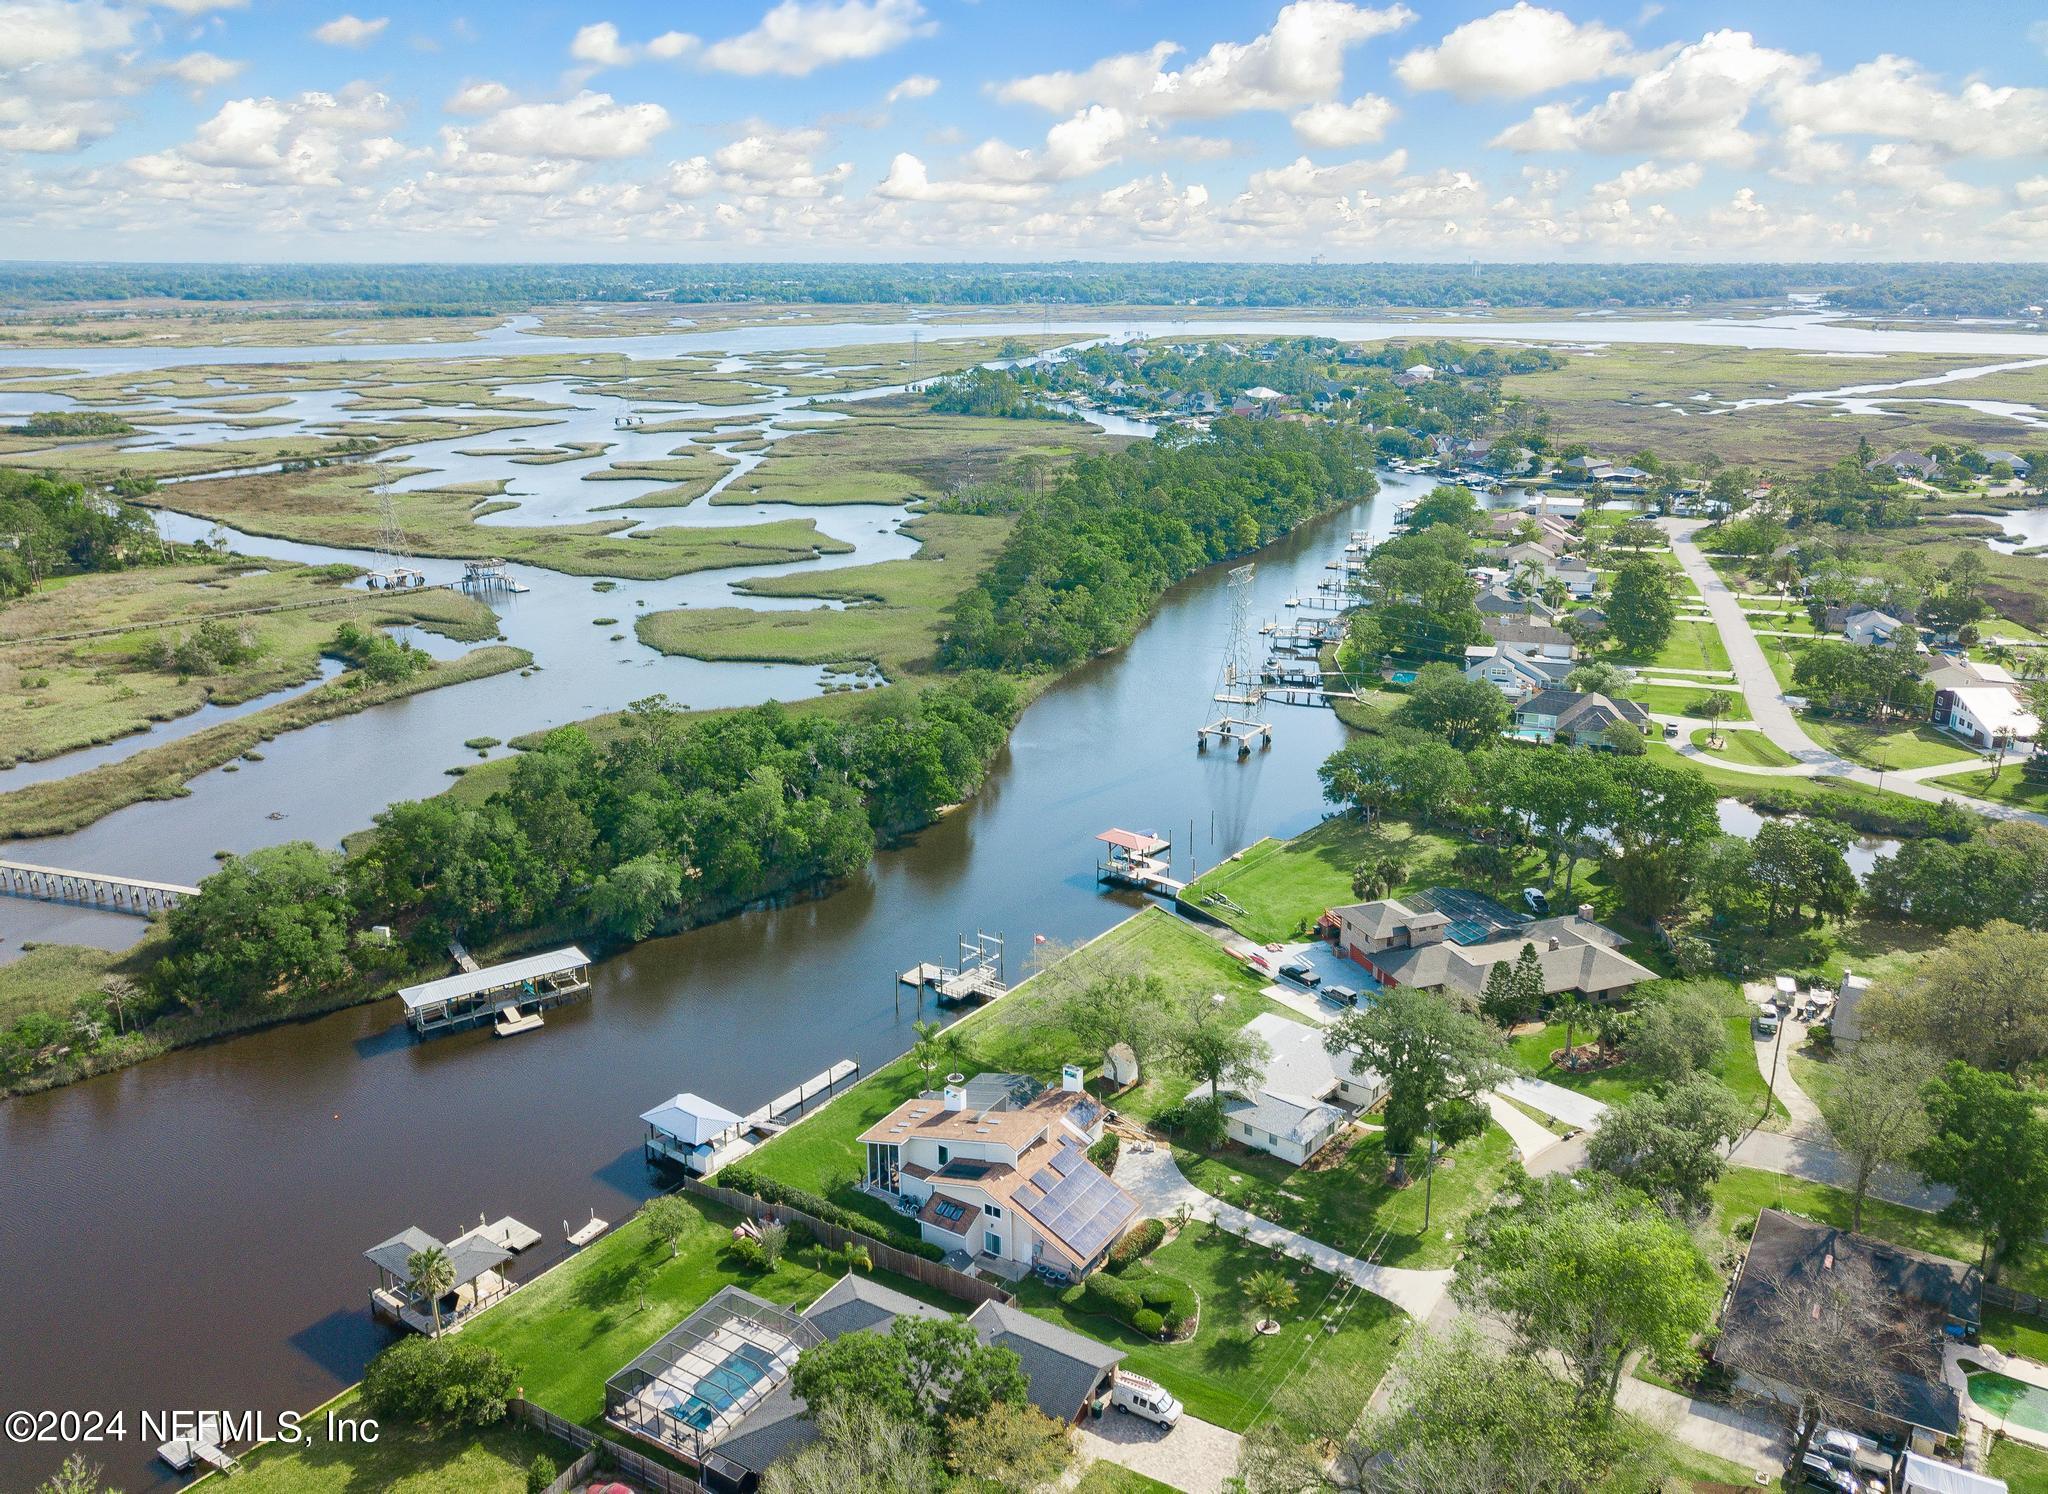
x: 1429, y: 1179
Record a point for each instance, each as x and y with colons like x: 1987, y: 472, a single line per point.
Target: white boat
x: 1294, y: 601
x: 512, y: 1021
x: 518, y: 586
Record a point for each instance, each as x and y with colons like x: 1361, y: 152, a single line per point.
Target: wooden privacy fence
x: 638, y: 1467
x: 970, y: 1289
x: 574, y: 1475
x: 2025, y: 1303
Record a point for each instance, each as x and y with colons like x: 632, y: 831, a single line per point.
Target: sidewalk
x: 1160, y: 1188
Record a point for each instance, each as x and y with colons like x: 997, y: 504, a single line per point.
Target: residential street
x: 1767, y: 702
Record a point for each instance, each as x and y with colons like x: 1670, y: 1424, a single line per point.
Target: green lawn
x: 573, y: 1328
x: 1225, y: 1373
x: 1735, y: 1065
x: 1684, y: 700
x: 1692, y: 645
x: 2009, y: 785
x: 1748, y: 747
x: 1351, y: 1206
x: 2024, y: 1469
x: 1105, y: 1477
x: 2016, y: 1334
x: 1283, y: 886
x: 1021, y: 1033
x: 1899, y: 745
x: 403, y: 1460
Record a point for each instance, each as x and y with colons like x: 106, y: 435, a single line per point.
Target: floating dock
x: 980, y: 974
x: 583, y: 1234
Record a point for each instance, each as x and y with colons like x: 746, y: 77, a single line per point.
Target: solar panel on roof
x: 1082, y: 1207
x: 949, y: 1210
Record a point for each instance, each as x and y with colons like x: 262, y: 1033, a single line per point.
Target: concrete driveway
x: 1196, y: 1455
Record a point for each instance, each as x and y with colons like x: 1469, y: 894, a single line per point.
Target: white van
x: 1143, y: 1397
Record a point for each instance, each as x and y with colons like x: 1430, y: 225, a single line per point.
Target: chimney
x: 956, y: 1091
x: 1586, y: 912
x: 1070, y: 1078
x: 1553, y: 941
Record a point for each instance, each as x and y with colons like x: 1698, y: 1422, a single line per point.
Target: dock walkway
x: 117, y: 894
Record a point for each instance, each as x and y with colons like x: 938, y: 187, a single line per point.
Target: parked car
x: 1146, y: 1398
x: 1302, y: 973
x: 1534, y: 900
x: 1670, y: 730
x: 1767, y: 1023
x: 1816, y: 1472
x: 1342, y: 995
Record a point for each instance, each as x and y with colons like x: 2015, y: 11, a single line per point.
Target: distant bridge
x: 53, y: 884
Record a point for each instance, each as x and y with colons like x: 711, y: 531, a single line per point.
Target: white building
x: 1982, y: 714
x: 997, y: 1169
x: 1514, y: 672
x: 1304, y: 1097
x: 1868, y: 626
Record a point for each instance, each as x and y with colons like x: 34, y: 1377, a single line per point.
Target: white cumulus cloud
x: 916, y: 86
x: 589, y: 127
x: 1517, y: 52
x: 1334, y: 126
x: 798, y: 37
x: 350, y: 31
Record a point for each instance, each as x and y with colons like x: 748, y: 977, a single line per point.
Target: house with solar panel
x: 1450, y: 939
x: 996, y: 1172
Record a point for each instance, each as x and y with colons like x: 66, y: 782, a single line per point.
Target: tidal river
x: 188, y: 1233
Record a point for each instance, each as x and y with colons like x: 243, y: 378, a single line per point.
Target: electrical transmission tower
x: 1238, y: 687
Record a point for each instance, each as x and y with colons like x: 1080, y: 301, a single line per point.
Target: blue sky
x: 940, y: 129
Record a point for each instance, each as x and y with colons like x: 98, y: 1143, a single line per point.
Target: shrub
x: 769, y: 1190
x: 1112, y: 1295
x: 1137, y: 1244
x: 540, y: 1473
x: 439, y: 1379
x: 1104, y: 1153
x: 1149, y: 1323
x: 1170, y: 1297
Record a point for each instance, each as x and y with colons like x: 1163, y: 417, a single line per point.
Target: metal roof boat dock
x: 541, y: 980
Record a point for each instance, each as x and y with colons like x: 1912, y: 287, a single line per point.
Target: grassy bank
x: 895, y: 609
x: 1280, y: 887
x: 896, y: 451
x: 65, y: 804
x: 339, y: 506
x: 1742, y: 748
x: 2008, y: 785
x: 1892, y: 746
x: 60, y: 691
x: 405, y: 1459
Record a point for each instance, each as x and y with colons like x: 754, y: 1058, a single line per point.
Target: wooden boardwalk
x: 54, y: 884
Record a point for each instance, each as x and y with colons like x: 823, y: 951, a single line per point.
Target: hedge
x: 1112, y: 1295
x: 1104, y: 1153
x: 1172, y: 1298
x: 1148, y: 1322
x: 1137, y: 1243
x: 1165, y: 1302
x: 769, y: 1190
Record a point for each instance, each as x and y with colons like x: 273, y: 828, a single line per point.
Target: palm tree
x: 924, y: 1048
x: 432, y: 1275
x: 1270, y: 1294
x: 856, y: 1257
x: 1555, y: 594
x: 1572, y: 1008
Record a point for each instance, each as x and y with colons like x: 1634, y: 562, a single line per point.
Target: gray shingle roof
x: 1063, y: 1367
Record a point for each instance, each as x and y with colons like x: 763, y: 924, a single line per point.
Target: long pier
x: 53, y: 884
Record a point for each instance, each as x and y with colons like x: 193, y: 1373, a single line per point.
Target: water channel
x: 188, y: 1233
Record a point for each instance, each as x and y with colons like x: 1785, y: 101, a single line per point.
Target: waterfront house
x: 1303, y: 1097
x: 1584, y: 468
x: 1413, y: 374
x: 1906, y: 464
x: 997, y: 1171
x: 1893, y: 1377
x: 715, y: 1389
x: 1552, y: 531
x: 1414, y: 942
x: 1516, y: 672
x: 1568, y: 717
x: 2021, y: 467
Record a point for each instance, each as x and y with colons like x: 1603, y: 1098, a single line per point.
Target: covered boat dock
x: 539, y: 980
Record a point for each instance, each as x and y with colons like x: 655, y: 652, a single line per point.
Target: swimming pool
x: 722, y: 1386
x: 1402, y: 677
x: 2015, y: 1400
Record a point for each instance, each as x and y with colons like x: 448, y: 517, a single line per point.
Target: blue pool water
x: 1403, y: 676
x: 722, y: 1386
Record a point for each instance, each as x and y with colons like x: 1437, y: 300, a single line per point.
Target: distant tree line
x: 1939, y: 289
